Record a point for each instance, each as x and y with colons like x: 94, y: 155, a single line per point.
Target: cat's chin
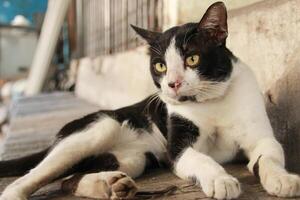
x: 194, y: 98
x: 177, y: 99
x: 170, y: 100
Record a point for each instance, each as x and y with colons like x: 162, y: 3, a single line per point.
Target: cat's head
x: 191, y: 62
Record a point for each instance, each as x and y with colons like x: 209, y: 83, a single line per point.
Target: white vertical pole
x: 107, y: 25
x: 53, y: 22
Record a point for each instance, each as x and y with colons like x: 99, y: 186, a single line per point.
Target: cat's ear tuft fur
x: 214, y: 23
x: 149, y: 36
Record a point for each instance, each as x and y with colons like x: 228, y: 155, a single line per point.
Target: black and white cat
x: 207, y: 109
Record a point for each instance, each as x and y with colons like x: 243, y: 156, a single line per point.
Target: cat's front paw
x: 222, y: 187
x: 281, y: 184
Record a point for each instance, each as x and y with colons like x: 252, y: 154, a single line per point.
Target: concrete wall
x: 183, y: 11
x: 266, y: 36
x: 115, y: 81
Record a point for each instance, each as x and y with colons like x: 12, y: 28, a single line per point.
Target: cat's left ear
x: 214, y: 23
x: 149, y: 36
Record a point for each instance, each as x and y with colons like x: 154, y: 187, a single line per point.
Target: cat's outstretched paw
x: 281, y: 184
x: 122, y: 186
x: 222, y: 187
x: 103, y: 185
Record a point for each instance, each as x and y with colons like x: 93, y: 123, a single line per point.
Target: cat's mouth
x: 179, y: 99
x: 199, y: 94
x: 187, y: 98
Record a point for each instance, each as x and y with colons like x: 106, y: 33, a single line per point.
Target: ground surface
x: 34, y: 122
x: 160, y: 180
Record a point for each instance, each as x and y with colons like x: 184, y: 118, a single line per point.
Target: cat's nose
x: 175, y: 85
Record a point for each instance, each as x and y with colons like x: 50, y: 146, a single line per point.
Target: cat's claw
x: 222, y: 187
x: 282, y: 184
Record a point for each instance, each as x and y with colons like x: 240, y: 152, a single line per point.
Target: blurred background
x: 62, y: 59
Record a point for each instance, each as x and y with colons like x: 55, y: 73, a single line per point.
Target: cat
x: 207, y: 108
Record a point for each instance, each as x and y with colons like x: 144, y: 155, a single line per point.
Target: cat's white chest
x: 214, y: 139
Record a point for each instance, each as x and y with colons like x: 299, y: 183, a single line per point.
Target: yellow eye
x: 160, y: 67
x: 192, y: 61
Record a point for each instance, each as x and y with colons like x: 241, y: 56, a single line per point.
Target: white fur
x: 130, y: 148
x: 214, y: 180
x: 175, y: 69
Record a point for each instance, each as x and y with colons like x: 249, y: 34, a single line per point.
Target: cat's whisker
x: 190, y: 38
x: 149, y: 102
x: 159, y: 47
x: 208, y: 87
x: 156, y: 50
x: 184, y: 39
x: 157, y: 103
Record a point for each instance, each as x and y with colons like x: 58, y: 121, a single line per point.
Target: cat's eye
x: 160, y: 67
x: 192, y: 61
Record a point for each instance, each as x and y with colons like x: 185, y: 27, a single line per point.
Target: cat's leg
x: 110, y: 184
x: 267, y: 163
x: 213, y: 178
x: 98, y: 138
x: 191, y: 164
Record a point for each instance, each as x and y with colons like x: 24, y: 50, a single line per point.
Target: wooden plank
x: 161, y: 179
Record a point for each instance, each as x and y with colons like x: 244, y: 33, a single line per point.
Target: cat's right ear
x: 149, y: 36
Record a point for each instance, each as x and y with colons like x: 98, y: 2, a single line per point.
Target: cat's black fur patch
x: 78, y: 125
x: 142, y: 114
x: 20, y: 166
x: 182, y: 134
x: 138, y: 116
x: 151, y: 161
x: 102, y: 162
x: 157, y: 51
x: 256, y: 168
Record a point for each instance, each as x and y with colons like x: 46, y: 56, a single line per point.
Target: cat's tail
x: 20, y: 166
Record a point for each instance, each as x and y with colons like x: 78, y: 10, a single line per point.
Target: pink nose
x: 175, y: 85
